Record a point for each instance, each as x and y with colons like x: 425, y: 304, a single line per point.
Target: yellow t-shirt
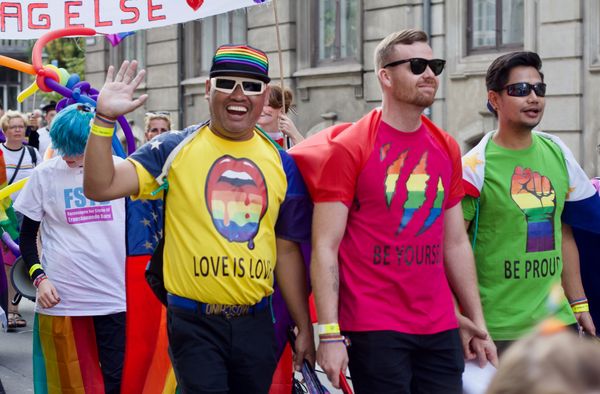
x: 223, y: 202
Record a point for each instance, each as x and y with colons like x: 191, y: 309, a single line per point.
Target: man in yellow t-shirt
x: 237, y: 209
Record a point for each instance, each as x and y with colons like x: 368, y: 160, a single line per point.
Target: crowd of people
x: 420, y: 259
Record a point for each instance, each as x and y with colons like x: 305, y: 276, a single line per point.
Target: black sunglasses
x: 523, y: 89
x: 418, y: 65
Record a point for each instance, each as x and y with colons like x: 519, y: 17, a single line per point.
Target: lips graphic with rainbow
x: 236, y: 197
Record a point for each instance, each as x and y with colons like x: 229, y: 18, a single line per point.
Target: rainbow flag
x: 115, y: 39
x: 65, y: 356
x: 147, y: 368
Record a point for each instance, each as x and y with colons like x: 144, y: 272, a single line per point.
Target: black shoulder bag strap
x: 18, y: 167
x: 31, y: 150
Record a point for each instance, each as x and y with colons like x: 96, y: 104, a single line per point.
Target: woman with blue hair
x: 79, y: 328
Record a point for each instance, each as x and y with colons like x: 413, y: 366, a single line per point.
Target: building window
x: 202, y: 37
x: 10, y: 81
x: 338, y: 27
x: 494, y: 25
x: 131, y: 48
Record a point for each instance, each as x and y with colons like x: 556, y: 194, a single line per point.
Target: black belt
x: 227, y: 311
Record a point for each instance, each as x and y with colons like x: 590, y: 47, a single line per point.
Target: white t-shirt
x: 44, y: 139
x: 12, y: 157
x: 83, y: 250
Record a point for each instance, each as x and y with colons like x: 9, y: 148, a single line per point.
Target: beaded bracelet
x: 106, y: 119
x: 339, y: 338
x: 578, y: 301
x: 39, y: 279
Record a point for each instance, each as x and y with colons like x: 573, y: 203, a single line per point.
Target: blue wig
x: 70, y: 129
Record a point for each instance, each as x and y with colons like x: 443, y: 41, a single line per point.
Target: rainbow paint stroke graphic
x: 392, y: 175
x: 415, y: 185
x: 383, y: 151
x: 535, y: 196
x: 236, y: 197
x: 436, y: 209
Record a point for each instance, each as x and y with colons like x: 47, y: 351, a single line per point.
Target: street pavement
x: 16, y: 370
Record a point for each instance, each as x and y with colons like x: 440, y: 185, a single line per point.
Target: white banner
x: 27, y: 19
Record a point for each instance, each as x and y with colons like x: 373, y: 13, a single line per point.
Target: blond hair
x: 9, y: 115
x: 385, y: 48
x: 156, y: 115
x: 549, y: 364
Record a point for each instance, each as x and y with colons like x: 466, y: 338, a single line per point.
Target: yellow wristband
x: 581, y: 308
x: 331, y: 328
x: 33, y: 268
x: 102, y: 131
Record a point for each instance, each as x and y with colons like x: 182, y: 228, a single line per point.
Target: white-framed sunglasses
x: 250, y: 87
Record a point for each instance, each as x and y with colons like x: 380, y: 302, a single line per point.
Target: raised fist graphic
x: 534, y: 195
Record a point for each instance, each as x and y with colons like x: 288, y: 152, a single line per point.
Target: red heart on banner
x: 195, y: 4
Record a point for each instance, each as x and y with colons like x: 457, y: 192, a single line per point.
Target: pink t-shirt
x: 392, y: 273
x: 397, y: 186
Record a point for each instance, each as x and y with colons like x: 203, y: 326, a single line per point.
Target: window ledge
x: 201, y: 80
x: 473, y: 65
x: 594, y: 67
x: 347, y: 74
x: 333, y: 69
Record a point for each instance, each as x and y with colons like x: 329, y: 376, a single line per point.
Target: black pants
x: 110, y: 339
x: 391, y: 362
x: 212, y: 354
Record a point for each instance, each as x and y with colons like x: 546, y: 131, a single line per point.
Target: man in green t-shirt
x: 517, y: 181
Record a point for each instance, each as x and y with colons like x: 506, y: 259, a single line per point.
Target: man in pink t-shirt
x: 389, y: 243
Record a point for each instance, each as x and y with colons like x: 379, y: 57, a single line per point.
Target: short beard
x: 423, y: 101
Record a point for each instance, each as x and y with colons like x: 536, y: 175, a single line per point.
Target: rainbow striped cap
x: 240, y: 60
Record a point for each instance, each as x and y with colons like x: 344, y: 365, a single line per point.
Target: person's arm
x: 102, y: 180
x: 47, y: 295
x: 329, y: 225
x: 290, y: 273
x: 288, y: 128
x: 571, y: 278
x: 460, y: 268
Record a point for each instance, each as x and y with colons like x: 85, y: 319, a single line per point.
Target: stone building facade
x: 327, y: 49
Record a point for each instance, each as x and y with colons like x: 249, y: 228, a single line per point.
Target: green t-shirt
x: 518, y: 248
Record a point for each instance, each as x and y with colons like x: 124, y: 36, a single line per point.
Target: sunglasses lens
x: 418, y: 66
x: 227, y: 84
x: 540, y: 89
x: 518, y: 90
x: 437, y: 66
x: 252, y: 87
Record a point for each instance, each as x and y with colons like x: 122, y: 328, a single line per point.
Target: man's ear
x: 493, y: 98
x: 207, y: 88
x: 384, y: 77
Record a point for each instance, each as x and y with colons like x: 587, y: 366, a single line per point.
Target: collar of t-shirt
x: 386, y: 128
x: 14, y: 150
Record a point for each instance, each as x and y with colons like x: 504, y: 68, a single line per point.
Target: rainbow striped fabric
x: 147, y: 368
x: 65, y: 356
x: 240, y: 58
x: 242, y: 54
